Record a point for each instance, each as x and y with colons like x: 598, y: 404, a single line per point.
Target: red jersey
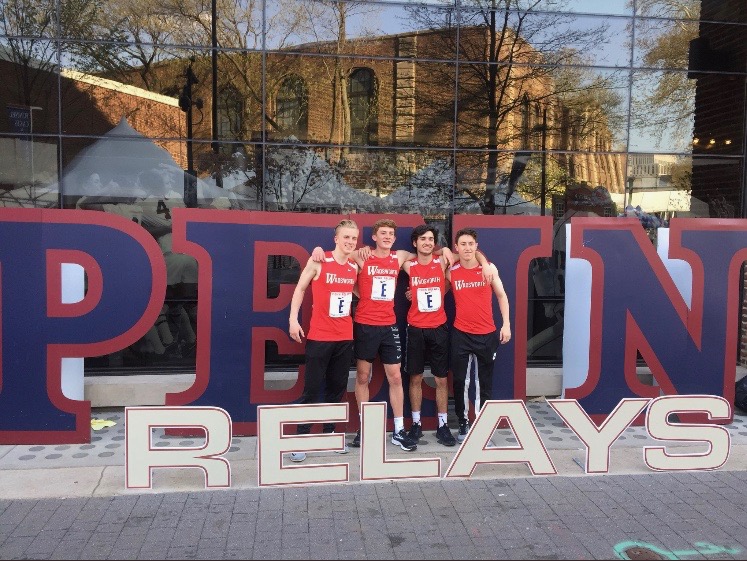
x: 332, y: 294
x: 428, y: 286
x: 474, y: 301
x: 376, y: 284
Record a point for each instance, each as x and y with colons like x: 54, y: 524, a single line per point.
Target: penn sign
x: 635, y: 307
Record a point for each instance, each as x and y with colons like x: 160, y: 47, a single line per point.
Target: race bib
x: 383, y: 288
x: 429, y: 299
x: 339, y: 304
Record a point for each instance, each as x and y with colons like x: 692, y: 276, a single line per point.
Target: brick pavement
x: 525, y: 518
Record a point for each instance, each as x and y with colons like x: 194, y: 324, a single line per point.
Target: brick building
x: 389, y: 103
x: 90, y: 107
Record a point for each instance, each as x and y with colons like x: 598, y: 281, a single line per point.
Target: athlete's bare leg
x: 362, y: 376
x: 396, y: 393
x: 442, y: 394
x: 416, y: 391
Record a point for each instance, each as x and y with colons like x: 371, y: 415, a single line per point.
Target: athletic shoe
x: 345, y: 450
x: 444, y: 436
x: 297, y: 456
x: 356, y: 441
x: 463, y: 430
x: 403, y: 441
x: 416, y: 432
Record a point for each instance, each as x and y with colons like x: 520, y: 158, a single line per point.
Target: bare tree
x: 29, y: 28
x: 667, y: 101
x: 510, y: 53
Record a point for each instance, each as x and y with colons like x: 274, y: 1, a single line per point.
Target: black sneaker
x: 444, y: 436
x: 416, y: 432
x: 405, y: 442
x: 463, y: 430
x: 356, y: 441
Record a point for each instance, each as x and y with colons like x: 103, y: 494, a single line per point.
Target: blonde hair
x: 384, y: 223
x: 346, y: 224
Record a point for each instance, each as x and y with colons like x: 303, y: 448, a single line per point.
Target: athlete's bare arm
x: 317, y: 254
x: 310, y: 272
x: 500, y: 293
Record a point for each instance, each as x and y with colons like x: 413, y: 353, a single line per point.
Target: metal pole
x: 543, y: 189
x: 214, y: 61
x: 32, y: 190
x: 185, y: 104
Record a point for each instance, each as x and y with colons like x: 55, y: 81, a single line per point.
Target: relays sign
x: 635, y: 307
x: 142, y: 457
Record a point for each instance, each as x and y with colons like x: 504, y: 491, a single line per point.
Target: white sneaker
x: 297, y: 456
x: 345, y: 450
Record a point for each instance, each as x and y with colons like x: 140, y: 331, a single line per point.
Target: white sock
x: 442, y: 419
x: 399, y: 424
x: 416, y: 416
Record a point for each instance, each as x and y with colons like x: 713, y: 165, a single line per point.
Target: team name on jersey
x: 374, y: 270
x: 418, y: 281
x: 332, y: 278
x: 460, y: 284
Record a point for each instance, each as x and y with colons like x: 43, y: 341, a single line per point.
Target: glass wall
x: 438, y: 107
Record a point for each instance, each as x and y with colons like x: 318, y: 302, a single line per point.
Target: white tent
x: 298, y: 178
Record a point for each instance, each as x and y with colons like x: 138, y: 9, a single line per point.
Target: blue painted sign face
x: 635, y: 307
x: 19, y: 118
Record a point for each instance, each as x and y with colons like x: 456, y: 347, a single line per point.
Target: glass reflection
x: 662, y: 112
x: 663, y: 43
x: 512, y: 37
x: 362, y: 28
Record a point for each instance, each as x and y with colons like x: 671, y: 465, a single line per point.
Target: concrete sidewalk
x: 69, y: 501
x: 651, y: 516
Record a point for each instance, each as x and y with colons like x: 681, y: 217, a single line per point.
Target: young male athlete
x: 375, y: 328
x: 329, y: 348
x: 474, y: 338
x: 427, y: 332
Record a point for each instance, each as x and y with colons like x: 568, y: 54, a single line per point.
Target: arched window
x: 292, y: 107
x: 363, y: 113
x: 230, y: 112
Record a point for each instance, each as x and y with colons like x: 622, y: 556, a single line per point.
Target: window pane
x: 361, y: 28
x: 662, y: 111
x: 29, y: 172
x: 611, y: 7
x: 579, y: 108
x: 551, y: 39
x: 664, y: 43
x: 292, y: 108
x: 503, y: 182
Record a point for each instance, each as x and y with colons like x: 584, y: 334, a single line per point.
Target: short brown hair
x: 384, y: 223
x: 347, y: 223
x: 465, y: 232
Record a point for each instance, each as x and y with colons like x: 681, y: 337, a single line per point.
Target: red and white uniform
x: 474, y: 301
x: 376, y: 285
x: 332, y: 295
x: 428, y: 286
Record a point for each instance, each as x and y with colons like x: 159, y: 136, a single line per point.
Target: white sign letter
x: 141, y: 457
x: 475, y: 449
x: 598, y: 439
x: 659, y: 427
x: 273, y: 443
x: 374, y: 464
